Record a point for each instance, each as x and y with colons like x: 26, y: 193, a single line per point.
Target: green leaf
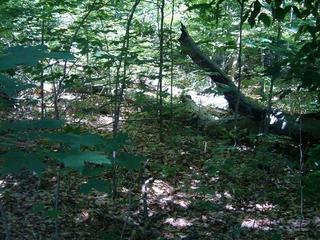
x: 116, y: 143
x: 312, y: 186
x: 52, y: 213
x: 17, y: 161
x: 60, y: 55
x: 94, y: 170
x: 256, y: 9
x: 251, y: 21
x: 254, y: 13
x: 25, y: 125
x: 130, y: 161
x: 277, y: 3
x: 72, y: 139
x: 265, y: 19
x: 279, y: 13
x: 20, y: 55
x: 96, y: 184
x: 77, y: 160
x: 11, y: 86
x: 201, y: 6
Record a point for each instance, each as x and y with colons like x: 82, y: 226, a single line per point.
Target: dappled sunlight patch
x: 214, y: 179
x: 229, y: 207
x: 3, y: 183
x: 101, y: 200
x: 160, y: 188
x: 194, y: 184
x: 83, y: 216
x: 264, y: 206
x: 160, y: 192
x: 178, y: 222
x: 163, y: 194
x: 183, y: 203
x: 101, y: 122
x: 227, y: 195
x: 262, y: 224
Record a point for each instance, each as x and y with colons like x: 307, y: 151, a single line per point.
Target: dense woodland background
x: 177, y: 119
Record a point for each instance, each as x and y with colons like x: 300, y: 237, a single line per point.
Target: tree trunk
x: 280, y: 123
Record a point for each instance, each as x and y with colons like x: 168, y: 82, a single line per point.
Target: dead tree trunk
x: 280, y: 123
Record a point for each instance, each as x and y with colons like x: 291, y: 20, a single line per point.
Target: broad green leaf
x: 60, y: 55
x: 77, y: 160
x: 265, y: 19
x: 201, y: 6
x: 116, y: 143
x: 96, y: 184
x: 25, y: 125
x: 256, y: 9
x: 20, y: 55
x: 130, y: 161
x: 94, y: 170
x: 17, y: 161
x: 41, y: 209
x: 72, y: 139
x: 251, y: 21
x: 11, y: 86
x: 51, y: 213
x: 279, y: 13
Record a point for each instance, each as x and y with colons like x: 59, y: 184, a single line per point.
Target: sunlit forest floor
x: 195, y: 187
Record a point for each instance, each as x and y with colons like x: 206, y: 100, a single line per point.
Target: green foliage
x: 96, y: 184
x: 78, y: 159
x: 313, y: 161
x: 265, y: 19
x: 44, y: 211
x: 17, y: 161
x: 129, y: 161
x: 312, y: 187
x: 11, y: 87
x: 31, y: 125
x: 168, y: 170
x: 29, y: 56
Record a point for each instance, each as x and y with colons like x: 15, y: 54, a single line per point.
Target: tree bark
x: 280, y: 122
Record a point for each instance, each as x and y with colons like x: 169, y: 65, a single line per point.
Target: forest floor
x: 195, y: 187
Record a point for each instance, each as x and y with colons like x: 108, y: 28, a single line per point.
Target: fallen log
x: 280, y: 122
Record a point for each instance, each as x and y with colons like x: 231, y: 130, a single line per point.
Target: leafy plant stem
x: 123, y: 58
x: 273, y: 78
x: 240, y: 73
x: 161, y: 71
x: 172, y: 61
